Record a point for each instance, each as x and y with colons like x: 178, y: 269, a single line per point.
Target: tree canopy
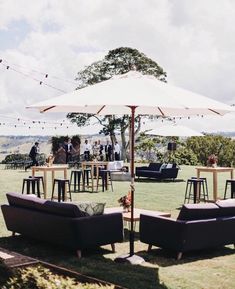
x: 117, y: 61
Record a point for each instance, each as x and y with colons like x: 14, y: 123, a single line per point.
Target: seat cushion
x: 35, y: 203
x: 190, y: 212
x: 227, y: 207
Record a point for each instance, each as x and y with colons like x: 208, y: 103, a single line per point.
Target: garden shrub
x: 42, y: 278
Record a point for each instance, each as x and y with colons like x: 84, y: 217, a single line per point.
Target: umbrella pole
x: 131, y: 258
x: 132, y: 161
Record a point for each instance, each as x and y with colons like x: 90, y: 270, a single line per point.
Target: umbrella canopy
x: 133, y: 93
x: 174, y: 130
x: 149, y: 95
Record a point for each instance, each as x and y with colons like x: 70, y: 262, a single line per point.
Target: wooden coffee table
x: 137, y: 212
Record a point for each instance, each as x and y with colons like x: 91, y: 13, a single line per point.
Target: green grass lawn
x: 214, y: 268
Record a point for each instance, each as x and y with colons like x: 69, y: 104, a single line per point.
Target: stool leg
x: 190, y: 191
x: 203, y: 190
x: 53, y: 189
x: 110, y: 179
x: 186, y: 191
x: 70, y: 195
x: 79, y: 180
x: 225, y: 191
x: 59, y: 192
x: 232, y: 189
x: 23, y: 186
x: 38, y: 189
x: 63, y: 185
x: 195, y: 192
x: 27, y: 187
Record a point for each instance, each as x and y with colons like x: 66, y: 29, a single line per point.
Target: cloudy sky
x: 192, y: 40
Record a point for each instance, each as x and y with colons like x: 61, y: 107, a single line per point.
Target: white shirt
x: 117, y: 148
x: 86, y: 147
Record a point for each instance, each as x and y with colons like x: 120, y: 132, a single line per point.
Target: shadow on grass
x: 165, y: 258
x: 94, y: 263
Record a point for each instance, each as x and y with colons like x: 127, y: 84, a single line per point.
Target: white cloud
x: 192, y: 40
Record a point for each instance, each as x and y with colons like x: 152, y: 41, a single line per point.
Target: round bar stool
x: 232, y: 186
x: 75, y: 179
x: 61, y: 184
x: 31, y: 183
x: 191, y: 190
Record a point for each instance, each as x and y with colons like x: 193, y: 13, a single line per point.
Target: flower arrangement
x: 212, y: 160
x: 50, y: 160
x: 125, y: 201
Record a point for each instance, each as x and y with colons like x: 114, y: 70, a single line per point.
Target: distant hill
x: 22, y: 144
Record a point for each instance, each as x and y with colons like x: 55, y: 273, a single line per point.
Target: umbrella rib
x: 100, y: 109
x: 48, y: 108
x: 216, y: 112
x: 161, y: 111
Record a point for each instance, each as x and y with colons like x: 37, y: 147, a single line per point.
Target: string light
x: 44, y: 74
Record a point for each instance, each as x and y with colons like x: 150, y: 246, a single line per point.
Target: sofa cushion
x: 91, y: 208
x: 154, y: 166
x: 227, y: 207
x: 190, y: 212
x: 35, y: 203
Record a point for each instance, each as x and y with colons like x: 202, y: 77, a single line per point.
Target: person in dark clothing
x: 68, y: 147
x: 108, y: 151
x: 33, y: 155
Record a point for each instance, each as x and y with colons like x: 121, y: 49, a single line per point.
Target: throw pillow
x: 91, y: 208
x: 169, y: 166
x: 163, y: 166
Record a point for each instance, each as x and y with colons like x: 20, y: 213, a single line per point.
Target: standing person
x: 86, y: 150
x: 108, y: 151
x: 96, y: 149
x: 68, y: 147
x: 117, y: 151
x: 101, y: 148
x: 33, y: 155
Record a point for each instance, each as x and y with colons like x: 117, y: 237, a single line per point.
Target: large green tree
x: 222, y: 147
x: 117, y: 61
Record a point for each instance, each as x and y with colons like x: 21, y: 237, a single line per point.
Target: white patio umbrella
x: 133, y: 93
x: 173, y: 130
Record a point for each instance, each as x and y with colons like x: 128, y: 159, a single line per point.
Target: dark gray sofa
x: 154, y: 171
x: 198, y: 226
x: 60, y: 223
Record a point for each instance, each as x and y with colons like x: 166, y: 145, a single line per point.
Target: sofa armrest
x: 98, y: 230
x: 162, y: 232
x: 171, y: 173
x: 142, y: 168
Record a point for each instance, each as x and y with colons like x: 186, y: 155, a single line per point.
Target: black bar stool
x: 61, y: 183
x: 31, y: 183
x: 191, y: 190
x: 106, y: 178
x: 232, y: 186
x: 206, y: 195
x: 86, y: 176
x: 42, y: 181
x: 75, y: 179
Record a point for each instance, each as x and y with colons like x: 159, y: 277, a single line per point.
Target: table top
x: 53, y: 167
x: 214, y: 169
x: 94, y: 163
x: 137, y: 212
